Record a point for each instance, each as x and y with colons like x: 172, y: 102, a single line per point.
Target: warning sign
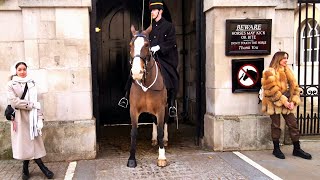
x: 246, y: 74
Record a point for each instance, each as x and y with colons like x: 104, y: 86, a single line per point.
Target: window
x: 308, y: 40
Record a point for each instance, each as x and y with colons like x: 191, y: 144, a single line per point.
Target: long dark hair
x: 17, y: 65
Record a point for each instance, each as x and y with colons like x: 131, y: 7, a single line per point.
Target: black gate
x: 308, y: 53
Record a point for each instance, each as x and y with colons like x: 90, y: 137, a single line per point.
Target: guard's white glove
x: 37, y: 105
x: 154, y: 49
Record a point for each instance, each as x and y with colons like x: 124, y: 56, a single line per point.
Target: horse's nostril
x: 137, y: 76
x: 137, y: 72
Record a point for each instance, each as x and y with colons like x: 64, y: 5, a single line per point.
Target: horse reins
x: 154, y: 81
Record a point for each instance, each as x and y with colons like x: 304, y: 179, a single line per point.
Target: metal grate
x: 308, y: 67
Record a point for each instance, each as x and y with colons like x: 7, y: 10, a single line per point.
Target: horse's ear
x: 148, y: 30
x: 133, y: 30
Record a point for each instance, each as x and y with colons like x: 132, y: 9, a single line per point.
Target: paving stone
x: 12, y: 169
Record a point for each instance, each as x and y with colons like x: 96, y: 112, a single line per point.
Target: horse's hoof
x: 132, y: 163
x: 165, y: 143
x: 154, y: 142
x: 162, y: 162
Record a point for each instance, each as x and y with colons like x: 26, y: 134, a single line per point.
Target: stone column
x: 233, y: 121
x: 52, y: 36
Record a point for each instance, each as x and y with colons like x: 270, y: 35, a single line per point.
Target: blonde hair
x: 277, y: 57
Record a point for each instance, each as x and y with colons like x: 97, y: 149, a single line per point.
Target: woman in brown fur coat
x: 281, y: 95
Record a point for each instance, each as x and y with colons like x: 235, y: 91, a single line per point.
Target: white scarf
x: 31, y: 95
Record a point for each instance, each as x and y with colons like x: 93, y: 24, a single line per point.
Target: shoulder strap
x: 24, y: 91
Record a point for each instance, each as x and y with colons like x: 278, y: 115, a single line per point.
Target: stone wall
x: 228, y: 133
x: 233, y: 121
x: 52, y: 36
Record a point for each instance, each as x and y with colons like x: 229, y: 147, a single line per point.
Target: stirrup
x: 172, y: 111
x: 123, y: 102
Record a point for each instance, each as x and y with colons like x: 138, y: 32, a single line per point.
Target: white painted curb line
x: 70, y: 171
x: 257, y: 166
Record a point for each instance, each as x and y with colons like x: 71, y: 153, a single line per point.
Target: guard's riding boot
x: 297, y: 151
x: 171, y: 99
x: 25, y: 170
x: 276, y: 150
x: 124, y: 101
x: 49, y: 174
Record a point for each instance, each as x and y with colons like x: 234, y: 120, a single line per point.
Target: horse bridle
x: 145, y: 59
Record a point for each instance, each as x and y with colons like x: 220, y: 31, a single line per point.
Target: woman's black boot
x: 49, y: 174
x: 276, y: 150
x: 25, y: 170
x: 297, y: 151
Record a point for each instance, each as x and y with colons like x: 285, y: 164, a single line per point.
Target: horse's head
x: 139, y: 52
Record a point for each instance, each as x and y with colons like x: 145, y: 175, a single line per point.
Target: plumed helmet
x: 155, y: 4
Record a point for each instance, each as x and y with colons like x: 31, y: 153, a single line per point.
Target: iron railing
x: 308, y: 68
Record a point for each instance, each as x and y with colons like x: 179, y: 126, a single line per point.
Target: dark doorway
x: 113, y: 64
x: 110, y: 60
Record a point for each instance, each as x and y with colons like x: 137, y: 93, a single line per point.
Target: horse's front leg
x: 162, y: 160
x: 132, y: 163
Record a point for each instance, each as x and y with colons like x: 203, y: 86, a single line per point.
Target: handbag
x: 10, y: 112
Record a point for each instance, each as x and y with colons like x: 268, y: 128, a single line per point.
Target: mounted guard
x: 164, y: 47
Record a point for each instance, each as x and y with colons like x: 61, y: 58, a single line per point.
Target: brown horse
x: 148, y: 92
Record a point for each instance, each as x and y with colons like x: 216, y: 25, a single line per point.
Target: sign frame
x: 248, y: 37
x: 257, y: 63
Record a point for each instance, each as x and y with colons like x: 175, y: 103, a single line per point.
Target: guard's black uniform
x: 163, y: 34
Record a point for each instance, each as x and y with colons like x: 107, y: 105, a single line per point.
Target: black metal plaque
x: 248, y: 37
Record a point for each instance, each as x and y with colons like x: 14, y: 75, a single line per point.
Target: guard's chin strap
x: 156, y: 16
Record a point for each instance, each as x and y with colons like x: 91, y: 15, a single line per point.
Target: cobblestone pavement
x: 12, y: 169
x: 185, y: 161
x: 199, y: 165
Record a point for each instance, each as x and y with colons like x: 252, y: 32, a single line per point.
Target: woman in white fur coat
x: 281, y: 96
x: 27, y: 143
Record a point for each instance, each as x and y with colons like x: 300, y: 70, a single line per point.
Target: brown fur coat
x: 279, y: 87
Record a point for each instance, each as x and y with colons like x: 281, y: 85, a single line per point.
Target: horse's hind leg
x: 154, y: 141
x: 134, y: 132
x: 162, y: 160
x: 165, y: 137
